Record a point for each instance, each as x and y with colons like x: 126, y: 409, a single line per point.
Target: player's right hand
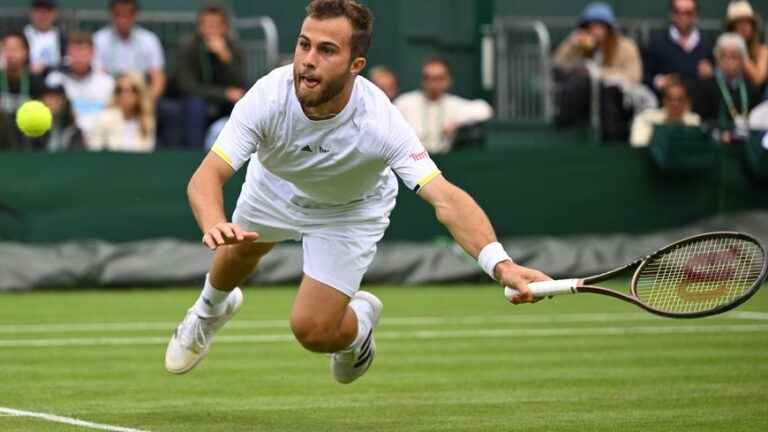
x: 225, y: 233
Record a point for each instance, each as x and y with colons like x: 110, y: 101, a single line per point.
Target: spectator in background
x: 598, y: 40
x: 597, y: 43
x: 386, y: 80
x: 676, y: 110
x: 210, y: 74
x: 741, y: 19
x: 125, y: 47
x: 725, y: 100
x: 17, y: 85
x: 436, y: 115
x: 64, y: 134
x: 46, y: 41
x: 88, y: 89
x: 680, y: 52
x: 128, y: 125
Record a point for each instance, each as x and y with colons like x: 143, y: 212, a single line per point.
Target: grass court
x: 449, y: 358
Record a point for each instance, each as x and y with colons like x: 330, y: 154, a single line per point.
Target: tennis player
x: 323, y: 143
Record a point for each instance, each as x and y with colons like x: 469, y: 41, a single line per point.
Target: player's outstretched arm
x: 471, y: 228
x: 206, y: 197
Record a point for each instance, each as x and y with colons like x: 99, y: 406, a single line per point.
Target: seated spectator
x: 725, y: 100
x: 598, y: 40
x: 679, y: 52
x: 676, y: 110
x: 17, y: 85
x: 741, y: 19
x: 210, y: 74
x: 128, y: 125
x: 386, y: 80
x: 46, y: 41
x: 436, y: 115
x: 125, y: 47
x: 88, y: 89
x: 597, y: 43
x: 64, y: 134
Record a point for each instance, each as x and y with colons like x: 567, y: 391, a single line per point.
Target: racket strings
x: 700, y: 275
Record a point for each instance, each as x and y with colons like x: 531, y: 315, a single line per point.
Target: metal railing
x: 522, y: 71
x: 256, y: 35
x: 517, y: 64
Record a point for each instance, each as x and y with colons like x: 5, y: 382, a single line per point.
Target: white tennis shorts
x: 338, y: 247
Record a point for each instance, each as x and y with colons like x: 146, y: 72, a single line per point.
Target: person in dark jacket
x: 210, y: 73
x: 679, y: 52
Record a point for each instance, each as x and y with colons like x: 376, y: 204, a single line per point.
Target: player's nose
x: 310, y: 60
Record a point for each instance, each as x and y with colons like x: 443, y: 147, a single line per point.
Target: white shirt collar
x: 690, y: 44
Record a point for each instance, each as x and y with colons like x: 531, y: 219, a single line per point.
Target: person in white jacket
x: 434, y: 114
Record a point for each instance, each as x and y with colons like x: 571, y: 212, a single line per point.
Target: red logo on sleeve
x: 419, y: 156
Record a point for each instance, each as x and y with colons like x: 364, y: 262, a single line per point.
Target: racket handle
x: 548, y: 288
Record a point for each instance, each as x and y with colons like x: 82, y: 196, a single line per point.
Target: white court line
x: 423, y: 334
x: 66, y: 420
x: 403, y: 321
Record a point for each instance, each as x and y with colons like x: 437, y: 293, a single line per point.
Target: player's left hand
x: 518, y: 277
x: 224, y: 233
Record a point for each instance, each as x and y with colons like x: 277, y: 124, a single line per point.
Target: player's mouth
x: 309, y: 81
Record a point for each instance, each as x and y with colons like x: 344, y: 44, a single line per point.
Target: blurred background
x: 591, y: 133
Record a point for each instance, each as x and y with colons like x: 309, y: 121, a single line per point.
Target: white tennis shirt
x: 345, y: 162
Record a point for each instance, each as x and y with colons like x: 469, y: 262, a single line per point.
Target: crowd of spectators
x: 697, y: 82
x: 109, y: 90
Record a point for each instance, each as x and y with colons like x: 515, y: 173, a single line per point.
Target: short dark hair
x: 214, y: 9
x: 675, y: 83
x: 358, y: 15
x: 672, y: 4
x: 134, y: 3
x: 438, y: 60
x: 18, y: 34
x: 80, y: 37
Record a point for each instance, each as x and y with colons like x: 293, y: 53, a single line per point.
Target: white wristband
x: 492, y: 254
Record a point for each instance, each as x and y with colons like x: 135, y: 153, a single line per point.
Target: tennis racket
x: 703, y: 275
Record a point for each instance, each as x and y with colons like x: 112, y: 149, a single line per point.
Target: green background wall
x: 561, y: 188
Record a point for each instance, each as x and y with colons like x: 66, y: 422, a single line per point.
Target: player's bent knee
x: 313, y: 334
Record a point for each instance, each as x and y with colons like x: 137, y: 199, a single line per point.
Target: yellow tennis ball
x: 34, y: 118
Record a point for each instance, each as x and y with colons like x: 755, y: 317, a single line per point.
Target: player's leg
x: 321, y: 318
x: 219, y: 301
x: 330, y: 314
x: 231, y: 267
x: 326, y: 320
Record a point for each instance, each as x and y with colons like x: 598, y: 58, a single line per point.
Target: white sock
x: 212, y: 302
x: 363, y: 310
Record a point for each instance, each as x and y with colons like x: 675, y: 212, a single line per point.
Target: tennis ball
x: 33, y: 118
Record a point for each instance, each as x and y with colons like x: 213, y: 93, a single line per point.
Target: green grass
x: 476, y: 365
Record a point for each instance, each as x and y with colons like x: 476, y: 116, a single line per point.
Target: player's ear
x: 357, y: 66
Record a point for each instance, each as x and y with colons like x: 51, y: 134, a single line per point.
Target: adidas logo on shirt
x: 309, y: 149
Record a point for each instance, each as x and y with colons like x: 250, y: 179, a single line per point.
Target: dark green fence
x: 551, y: 189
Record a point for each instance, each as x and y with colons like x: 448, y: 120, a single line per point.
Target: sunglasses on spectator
x: 131, y: 89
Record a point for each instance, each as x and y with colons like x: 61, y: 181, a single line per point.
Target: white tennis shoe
x: 192, y: 338
x: 351, y: 365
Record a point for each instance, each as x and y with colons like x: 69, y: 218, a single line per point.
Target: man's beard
x: 332, y: 88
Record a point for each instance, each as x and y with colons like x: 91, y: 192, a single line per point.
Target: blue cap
x: 598, y: 12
